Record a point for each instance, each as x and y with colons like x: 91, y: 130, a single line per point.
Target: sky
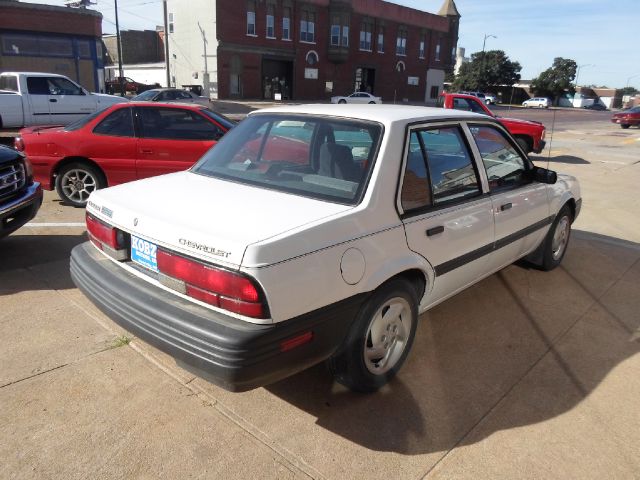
x: 598, y: 34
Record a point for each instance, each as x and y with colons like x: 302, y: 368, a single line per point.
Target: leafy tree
x: 487, y: 69
x: 629, y: 91
x: 556, y: 80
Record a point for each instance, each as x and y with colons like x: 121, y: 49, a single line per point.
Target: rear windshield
x: 218, y: 117
x: 9, y: 82
x: 148, y: 95
x: 78, y: 124
x: 319, y: 157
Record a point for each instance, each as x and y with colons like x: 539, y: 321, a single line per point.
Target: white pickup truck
x: 46, y: 99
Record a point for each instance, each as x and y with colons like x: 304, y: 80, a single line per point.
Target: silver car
x: 172, y: 95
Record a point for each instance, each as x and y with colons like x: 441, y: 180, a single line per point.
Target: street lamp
x: 578, y: 71
x: 487, y: 35
x: 629, y: 79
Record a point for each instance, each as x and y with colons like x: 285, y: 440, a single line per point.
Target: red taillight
x: 103, y: 235
x: 18, y: 144
x: 221, y: 288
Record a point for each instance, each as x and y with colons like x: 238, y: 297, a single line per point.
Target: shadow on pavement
x: 46, y: 257
x: 569, y: 159
x: 518, y: 348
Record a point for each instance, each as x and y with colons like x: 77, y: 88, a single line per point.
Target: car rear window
x: 319, y: 157
x: 78, y: 124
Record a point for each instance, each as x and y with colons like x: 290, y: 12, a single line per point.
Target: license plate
x: 144, y: 253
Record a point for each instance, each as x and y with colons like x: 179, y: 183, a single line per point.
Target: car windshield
x: 218, y: 117
x: 78, y: 124
x: 318, y: 157
x: 148, y: 95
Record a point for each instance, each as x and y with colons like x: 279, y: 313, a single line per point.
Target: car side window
x: 416, y: 191
x: 452, y: 174
x: 183, y: 95
x: 117, y: 124
x: 466, y: 105
x: 177, y: 124
x: 504, y: 165
x: 38, y: 85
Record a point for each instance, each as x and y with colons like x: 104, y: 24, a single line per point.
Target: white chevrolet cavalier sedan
x: 311, y: 234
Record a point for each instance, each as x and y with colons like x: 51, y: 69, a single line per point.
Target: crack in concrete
x: 34, y: 375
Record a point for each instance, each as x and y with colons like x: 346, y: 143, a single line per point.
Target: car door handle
x: 506, y: 206
x: 435, y: 231
x: 146, y: 150
x: 53, y: 100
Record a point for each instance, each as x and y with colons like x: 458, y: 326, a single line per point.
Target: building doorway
x: 277, y: 79
x: 365, y: 80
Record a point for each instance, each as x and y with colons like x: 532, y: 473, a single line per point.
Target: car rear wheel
x: 76, y: 181
x: 557, y: 239
x: 371, y: 102
x: 625, y: 125
x: 380, y: 338
x: 342, y: 101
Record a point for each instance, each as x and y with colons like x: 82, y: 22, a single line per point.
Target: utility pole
x: 205, y: 75
x: 120, y: 72
x: 483, y: 59
x: 166, y: 42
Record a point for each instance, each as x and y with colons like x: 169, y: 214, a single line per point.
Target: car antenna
x: 553, y: 126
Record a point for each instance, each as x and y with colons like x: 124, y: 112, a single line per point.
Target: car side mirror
x: 544, y: 175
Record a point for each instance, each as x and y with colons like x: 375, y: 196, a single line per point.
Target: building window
x: 381, y: 40
x: 171, y: 23
x: 307, y: 27
x: 421, y: 51
x: 335, y: 32
x: 365, y: 36
x: 400, y: 66
x: 271, y: 25
x: 339, y: 35
x: 286, y: 23
x: 312, y: 58
x: 345, y: 35
x: 401, y: 42
x: 438, y: 51
x: 251, y: 18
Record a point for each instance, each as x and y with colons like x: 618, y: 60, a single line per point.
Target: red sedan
x: 124, y: 142
x: 626, y: 118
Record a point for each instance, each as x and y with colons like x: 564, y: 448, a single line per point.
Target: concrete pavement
x: 525, y: 375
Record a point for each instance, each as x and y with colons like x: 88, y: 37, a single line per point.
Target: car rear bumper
x: 20, y: 210
x: 232, y: 353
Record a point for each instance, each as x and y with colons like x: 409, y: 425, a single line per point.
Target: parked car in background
x: 487, y: 98
x: 528, y: 133
x: 123, y: 143
x: 628, y: 117
x: 595, y: 106
x: 357, y: 97
x: 114, y: 85
x: 327, y: 242
x: 46, y: 99
x: 20, y: 196
x: 171, y: 95
x: 537, y: 102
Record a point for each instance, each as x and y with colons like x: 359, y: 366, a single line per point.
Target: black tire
x: 554, y: 246
x: 342, y: 101
x: 523, y: 144
x: 625, y: 125
x: 75, y: 182
x: 389, y: 334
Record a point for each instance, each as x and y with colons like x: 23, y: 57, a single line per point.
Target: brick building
x: 44, y: 38
x: 138, y: 46
x: 312, y: 49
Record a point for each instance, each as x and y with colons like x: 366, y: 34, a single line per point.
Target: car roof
x: 385, y: 114
x: 142, y: 103
x: 35, y: 74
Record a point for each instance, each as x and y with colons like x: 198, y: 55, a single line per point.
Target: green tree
x: 629, y: 91
x: 556, y: 80
x: 486, y: 70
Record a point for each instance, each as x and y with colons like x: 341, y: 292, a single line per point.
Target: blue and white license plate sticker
x: 144, y: 253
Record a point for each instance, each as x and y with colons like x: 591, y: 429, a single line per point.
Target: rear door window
x: 177, y: 124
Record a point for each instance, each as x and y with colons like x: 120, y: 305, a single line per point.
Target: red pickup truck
x: 528, y: 134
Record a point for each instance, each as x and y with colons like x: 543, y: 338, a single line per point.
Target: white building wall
x: 190, y: 20
x: 435, y: 78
